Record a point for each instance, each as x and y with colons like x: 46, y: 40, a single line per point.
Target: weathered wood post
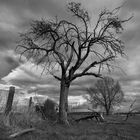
x: 9, y: 101
x: 30, y: 104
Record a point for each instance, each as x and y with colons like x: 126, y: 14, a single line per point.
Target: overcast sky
x: 16, y: 16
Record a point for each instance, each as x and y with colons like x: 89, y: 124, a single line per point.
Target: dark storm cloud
x: 7, y: 63
x: 28, y: 9
x: 11, y: 60
x: 84, y: 81
x: 24, y: 83
x: 48, y: 91
x: 133, y: 4
x: 16, y: 16
x: 34, y: 5
x: 7, y: 40
x: 131, y: 34
x: 131, y: 84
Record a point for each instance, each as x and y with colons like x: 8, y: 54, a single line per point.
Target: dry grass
x: 113, y: 129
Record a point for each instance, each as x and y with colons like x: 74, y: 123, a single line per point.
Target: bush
x: 48, y: 109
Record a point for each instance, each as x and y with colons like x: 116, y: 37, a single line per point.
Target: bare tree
x: 106, y: 93
x: 75, y: 47
x: 130, y: 110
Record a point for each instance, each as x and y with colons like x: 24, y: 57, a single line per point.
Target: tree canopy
x: 69, y: 45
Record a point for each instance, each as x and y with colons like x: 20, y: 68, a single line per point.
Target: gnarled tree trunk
x: 63, y: 103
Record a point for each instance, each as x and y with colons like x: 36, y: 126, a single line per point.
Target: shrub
x: 48, y: 109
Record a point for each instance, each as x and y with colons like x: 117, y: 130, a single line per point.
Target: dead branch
x: 22, y: 132
x: 131, y: 109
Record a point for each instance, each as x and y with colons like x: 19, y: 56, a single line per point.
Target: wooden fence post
x: 30, y: 103
x: 9, y: 100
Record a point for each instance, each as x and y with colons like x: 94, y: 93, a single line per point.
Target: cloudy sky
x: 16, y: 16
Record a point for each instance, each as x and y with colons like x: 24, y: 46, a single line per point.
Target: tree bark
x: 107, y: 110
x: 63, y: 103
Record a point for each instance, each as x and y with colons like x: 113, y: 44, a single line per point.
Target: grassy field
x: 114, y: 128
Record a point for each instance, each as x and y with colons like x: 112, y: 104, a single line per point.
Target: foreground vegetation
x: 114, y: 128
